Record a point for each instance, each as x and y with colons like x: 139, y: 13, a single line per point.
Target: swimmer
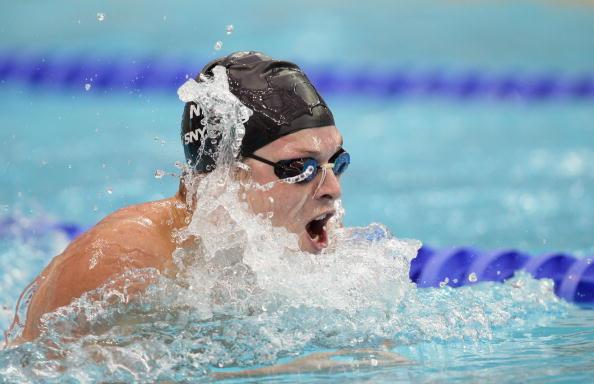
x: 291, y: 137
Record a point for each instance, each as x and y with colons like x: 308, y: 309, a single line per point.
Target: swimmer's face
x: 296, y: 206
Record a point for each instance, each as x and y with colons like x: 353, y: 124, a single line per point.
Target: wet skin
x: 140, y: 236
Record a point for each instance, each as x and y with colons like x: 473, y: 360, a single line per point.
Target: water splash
x: 242, y: 292
x: 224, y: 114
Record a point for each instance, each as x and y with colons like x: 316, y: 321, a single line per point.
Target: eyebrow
x: 316, y: 152
x: 308, y: 151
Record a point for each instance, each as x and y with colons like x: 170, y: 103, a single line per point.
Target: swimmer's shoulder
x: 123, y: 240
x: 158, y: 215
x: 143, y: 229
x: 130, y: 238
x: 133, y: 237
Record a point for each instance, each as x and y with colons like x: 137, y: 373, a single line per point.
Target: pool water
x: 479, y: 172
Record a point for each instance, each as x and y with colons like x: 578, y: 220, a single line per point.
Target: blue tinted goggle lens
x: 341, y: 163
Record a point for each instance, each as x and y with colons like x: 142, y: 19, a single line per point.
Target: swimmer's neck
x: 181, y: 211
x: 181, y: 208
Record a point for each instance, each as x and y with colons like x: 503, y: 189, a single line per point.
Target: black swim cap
x: 282, y: 99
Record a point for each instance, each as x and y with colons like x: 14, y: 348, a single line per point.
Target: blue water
x: 485, y: 173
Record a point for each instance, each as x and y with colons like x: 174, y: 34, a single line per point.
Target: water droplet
x: 498, y: 273
x: 103, y: 165
x: 69, y: 166
x: 43, y: 162
x: 218, y: 45
x: 159, y: 173
x: 444, y: 282
x: 373, y: 362
x: 230, y: 29
x: 164, y: 18
x: 455, y: 281
x: 109, y: 191
x: 472, y: 277
x: 100, y: 16
x: 87, y: 86
x: 95, y: 208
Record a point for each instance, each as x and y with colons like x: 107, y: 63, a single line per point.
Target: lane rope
x: 89, y: 73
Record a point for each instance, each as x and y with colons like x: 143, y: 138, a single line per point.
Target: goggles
x: 304, y: 170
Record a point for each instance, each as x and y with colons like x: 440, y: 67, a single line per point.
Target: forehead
x: 321, y: 139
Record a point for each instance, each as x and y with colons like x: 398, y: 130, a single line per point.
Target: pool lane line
x: 86, y: 72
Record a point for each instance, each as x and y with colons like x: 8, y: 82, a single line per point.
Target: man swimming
x: 290, y: 142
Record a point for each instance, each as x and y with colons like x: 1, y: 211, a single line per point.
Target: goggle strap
x: 256, y: 157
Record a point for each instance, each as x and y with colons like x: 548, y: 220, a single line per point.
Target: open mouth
x: 316, y: 229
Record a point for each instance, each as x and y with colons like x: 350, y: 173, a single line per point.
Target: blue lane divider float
x: 152, y: 73
x: 23, y: 228
x: 573, y: 277
x: 454, y: 267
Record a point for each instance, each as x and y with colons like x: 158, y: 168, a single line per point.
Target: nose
x: 328, y: 187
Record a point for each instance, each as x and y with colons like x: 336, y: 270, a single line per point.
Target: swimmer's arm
x: 89, y: 262
x: 324, y: 362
